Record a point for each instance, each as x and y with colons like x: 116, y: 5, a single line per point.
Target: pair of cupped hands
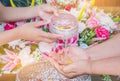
x: 71, y: 61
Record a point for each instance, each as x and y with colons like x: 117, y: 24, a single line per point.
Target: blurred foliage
x: 87, y: 36
x: 18, y: 3
x: 21, y: 3
x: 107, y: 78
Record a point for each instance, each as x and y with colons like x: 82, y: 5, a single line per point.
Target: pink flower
x: 92, y: 22
x: 102, y: 33
x: 9, y: 25
x: 54, y: 2
x: 68, y: 8
x: 12, y: 59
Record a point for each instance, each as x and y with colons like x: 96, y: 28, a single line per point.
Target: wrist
x: 36, y: 10
x: 19, y: 32
x: 14, y: 34
x: 87, y: 54
x: 90, y: 53
x: 89, y: 67
x: 32, y: 12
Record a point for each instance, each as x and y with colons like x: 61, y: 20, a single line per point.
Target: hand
x: 46, y: 12
x: 80, y: 62
x: 72, y: 70
x: 73, y: 54
x: 30, y: 31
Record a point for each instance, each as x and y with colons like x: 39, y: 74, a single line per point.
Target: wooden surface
x: 109, y: 3
x: 9, y: 77
x: 114, y: 10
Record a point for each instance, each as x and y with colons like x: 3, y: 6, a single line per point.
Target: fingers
x: 43, y: 39
x: 55, y: 11
x: 55, y: 64
x: 70, y: 68
x: 51, y: 36
x: 62, y: 58
x: 71, y: 75
x: 36, y: 24
x: 45, y: 36
x: 56, y: 57
x: 61, y: 69
x: 45, y: 16
x: 51, y: 9
x: 47, y: 12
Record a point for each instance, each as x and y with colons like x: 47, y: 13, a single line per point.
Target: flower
x: 106, y: 21
x: 1, y: 27
x: 9, y: 25
x: 54, y: 2
x: 68, y: 8
x: 82, y: 27
x: 12, y: 59
x: 102, y: 33
x: 92, y: 22
x: 15, y: 43
x: 25, y: 56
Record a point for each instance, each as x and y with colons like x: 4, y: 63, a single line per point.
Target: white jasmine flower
x: 25, y: 57
x: 15, y: 43
x: 46, y: 47
x: 106, y: 21
x: 82, y: 26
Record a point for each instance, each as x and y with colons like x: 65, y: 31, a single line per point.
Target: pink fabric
x: 70, y: 42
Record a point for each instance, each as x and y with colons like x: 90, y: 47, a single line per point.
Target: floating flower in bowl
x: 64, y: 24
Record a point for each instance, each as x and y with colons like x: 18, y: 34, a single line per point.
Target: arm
x: 45, y: 11
x: 8, y: 36
x: 109, y: 48
x: 30, y: 32
x: 109, y: 66
x: 13, y: 14
x: 100, y: 62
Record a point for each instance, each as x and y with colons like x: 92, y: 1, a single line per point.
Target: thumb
x: 45, y: 16
x: 69, y: 68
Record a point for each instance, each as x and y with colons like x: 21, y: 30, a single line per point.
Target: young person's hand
x: 31, y: 31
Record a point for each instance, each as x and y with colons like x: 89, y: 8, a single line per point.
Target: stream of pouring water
x: 65, y: 52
